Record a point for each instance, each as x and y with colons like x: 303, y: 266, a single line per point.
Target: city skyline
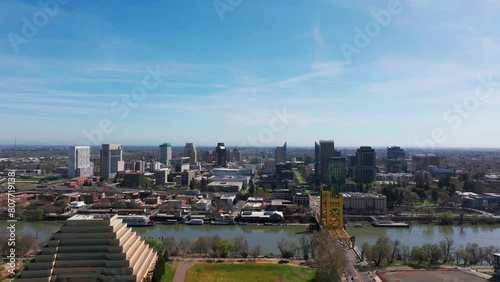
x: 258, y: 73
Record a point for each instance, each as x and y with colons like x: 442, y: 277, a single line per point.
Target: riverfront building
x: 92, y: 248
x: 364, y: 202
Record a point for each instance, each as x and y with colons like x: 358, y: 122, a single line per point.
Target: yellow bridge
x: 331, y: 217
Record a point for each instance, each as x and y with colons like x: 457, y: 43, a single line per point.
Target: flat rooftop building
x: 91, y: 248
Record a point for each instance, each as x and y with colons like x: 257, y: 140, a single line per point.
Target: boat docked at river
x: 195, y: 222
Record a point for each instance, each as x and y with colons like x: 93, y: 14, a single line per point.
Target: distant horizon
x: 232, y: 146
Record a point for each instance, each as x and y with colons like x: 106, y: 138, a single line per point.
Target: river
x: 267, y: 236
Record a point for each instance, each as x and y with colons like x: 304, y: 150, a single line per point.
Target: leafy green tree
x: 418, y: 254
x: 433, y: 252
x: 224, y: 246
x: 154, y: 243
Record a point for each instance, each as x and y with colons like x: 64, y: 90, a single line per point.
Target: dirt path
x: 181, y: 270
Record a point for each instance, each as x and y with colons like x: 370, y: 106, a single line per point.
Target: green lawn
x: 248, y: 273
x: 169, y: 272
x: 299, y: 177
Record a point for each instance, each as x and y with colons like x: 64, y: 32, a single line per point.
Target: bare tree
x: 184, y: 245
x: 446, y: 246
x: 405, y: 253
x: 331, y: 258
x: 305, y: 246
x: 240, y: 246
x: 287, y: 249
x: 24, y: 243
x: 489, y: 252
x: 255, y: 251
x: 170, y: 245
x: 366, y: 250
x: 474, y: 252
x: 396, y: 250
x: 200, y: 246
x: 212, y: 243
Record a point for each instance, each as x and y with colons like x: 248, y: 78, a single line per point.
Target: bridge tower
x: 331, y: 215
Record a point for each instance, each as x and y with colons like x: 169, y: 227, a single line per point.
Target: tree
x: 489, y: 252
x: 446, y: 218
x: 212, y: 243
x: 200, y: 246
x: 255, y: 251
x: 287, y: 249
x: 24, y: 244
x: 446, y: 246
x: 474, y: 252
x: 170, y: 245
x: 433, y: 252
x: 305, y: 246
x: 159, y: 269
x: 381, y: 250
x: 154, y: 243
x: 184, y: 245
x: 396, y: 250
x: 240, y: 246
x: 418, y: 254
x: 330, y: 256
x: 366, y: 250
x: 224, y: 246
x: 405, y: 253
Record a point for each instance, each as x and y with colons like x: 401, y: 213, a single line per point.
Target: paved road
x: 181, y: 270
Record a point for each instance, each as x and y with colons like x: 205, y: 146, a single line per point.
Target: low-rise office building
x: 364, y: 203
x: 225, y: 186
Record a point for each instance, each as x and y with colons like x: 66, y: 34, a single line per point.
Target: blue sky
x: 233, y: 71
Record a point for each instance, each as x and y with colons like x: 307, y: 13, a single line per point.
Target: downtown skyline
x: 268, y: 72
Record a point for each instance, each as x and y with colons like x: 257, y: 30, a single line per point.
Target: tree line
x: 386, y: 251
x: 320, y: 249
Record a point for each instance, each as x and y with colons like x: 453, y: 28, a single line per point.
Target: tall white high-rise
x: 165, y: 153
x: 79, y: 162
x: 111, y: 160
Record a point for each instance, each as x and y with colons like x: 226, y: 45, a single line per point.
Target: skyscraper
x: 326, y: 152
x: 396, y: 160
x: 79, y: 162
x: 190, y: 151
x: 338, y: 171
x: 236, y: 155
x: 365, y: 165
x: 111, y: 160
x: 165, y: 153
x: 317, y: 172
x: 220, y: 154
x: 280, y: 154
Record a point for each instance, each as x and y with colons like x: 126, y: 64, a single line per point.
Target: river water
x: 267, y: 236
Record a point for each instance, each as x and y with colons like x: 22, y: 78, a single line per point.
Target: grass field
x: 169, y: 272
x: 248, y: 273
x: 299, y: 177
